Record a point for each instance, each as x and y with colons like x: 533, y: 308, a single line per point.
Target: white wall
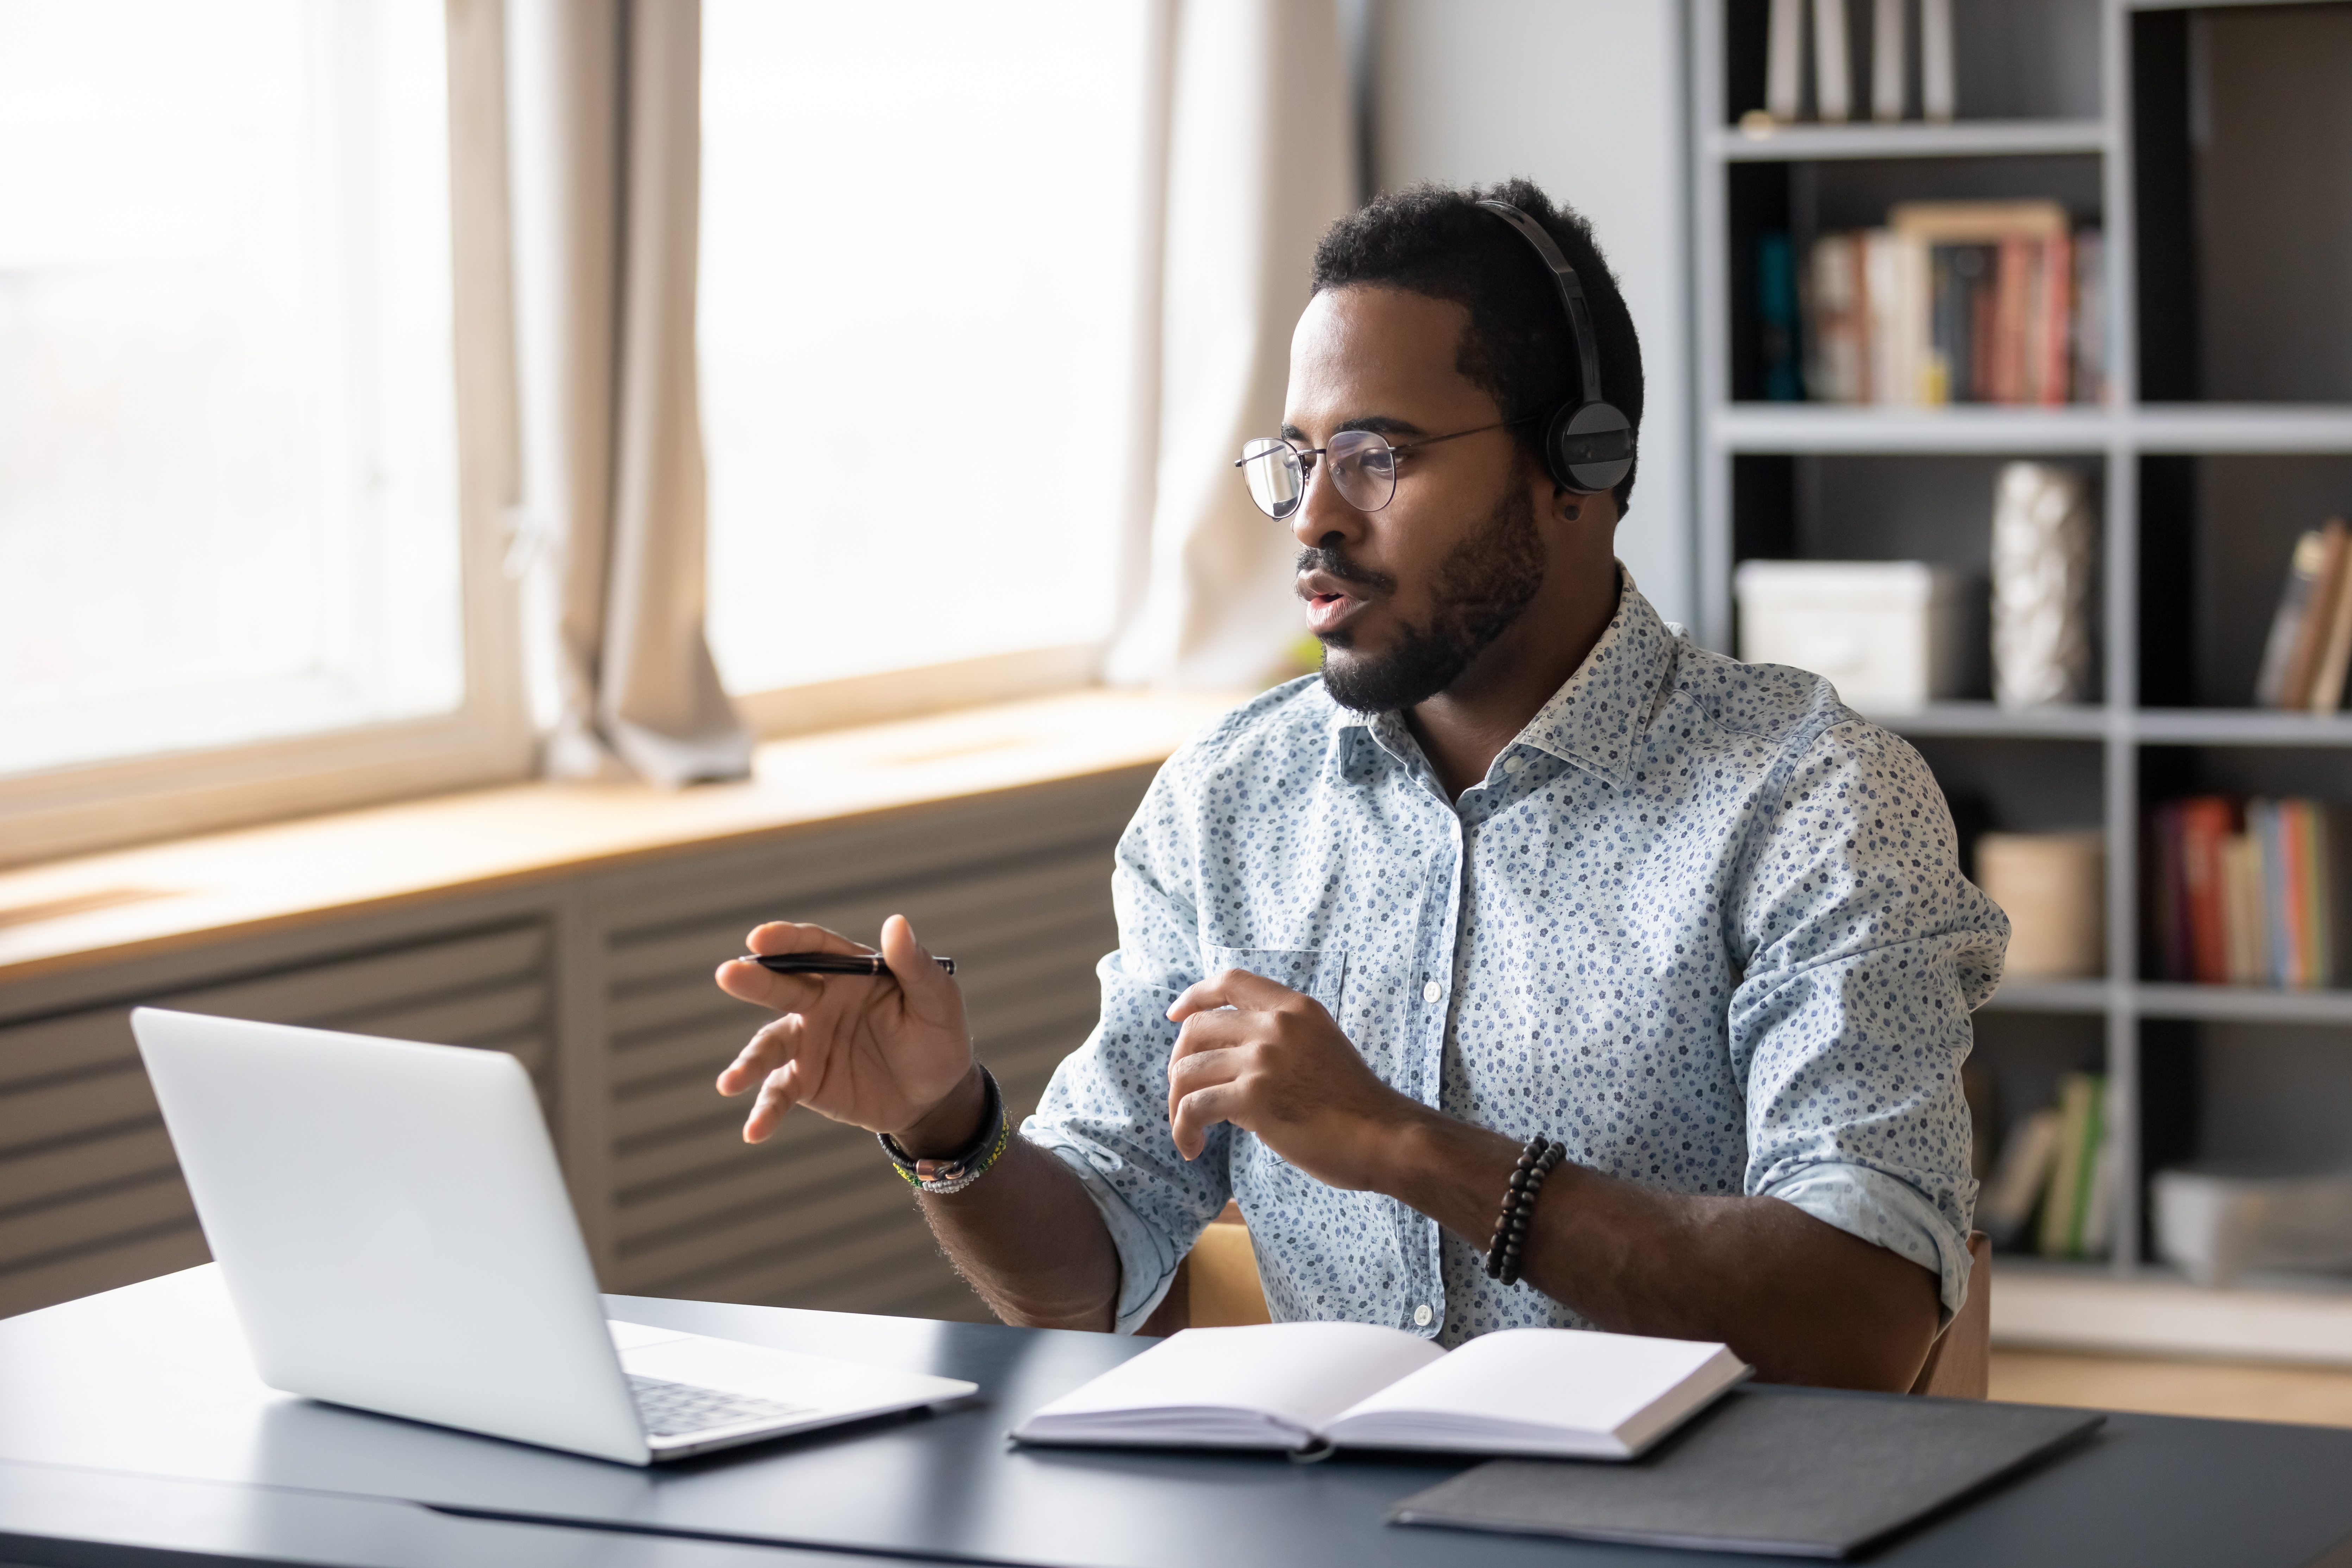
x: 1586, y: 97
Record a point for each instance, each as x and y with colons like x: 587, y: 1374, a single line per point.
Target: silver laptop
x: 396, y: 1236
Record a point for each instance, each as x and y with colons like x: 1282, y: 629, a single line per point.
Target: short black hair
x: 1433, y: 239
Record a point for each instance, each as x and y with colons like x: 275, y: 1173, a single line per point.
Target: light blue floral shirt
x: 1700, y: 923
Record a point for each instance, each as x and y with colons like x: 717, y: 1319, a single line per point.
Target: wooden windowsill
x: 128, y: 903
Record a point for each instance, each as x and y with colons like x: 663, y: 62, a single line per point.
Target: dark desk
x: 144, y: 1397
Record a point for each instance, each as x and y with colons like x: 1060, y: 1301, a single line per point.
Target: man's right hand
x: 890, y: 1053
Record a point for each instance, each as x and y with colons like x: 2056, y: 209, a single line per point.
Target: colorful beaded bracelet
x: 955, y: 1173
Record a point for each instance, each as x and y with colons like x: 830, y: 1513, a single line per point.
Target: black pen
x: 829, y: 962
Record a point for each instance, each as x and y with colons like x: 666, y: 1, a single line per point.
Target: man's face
x: 1406, y: 597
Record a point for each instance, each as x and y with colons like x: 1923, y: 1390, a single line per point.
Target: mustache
x: 1317, y: 558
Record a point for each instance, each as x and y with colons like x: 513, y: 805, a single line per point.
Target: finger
x: 1203, y: 1069
x: 1217, y: 1031
x: 930, y: 992
x: 778, y: 1094
x: 777, y: 1042
x: 1199, y: 1111
x: 1234, y: 988
x: 785, y: 936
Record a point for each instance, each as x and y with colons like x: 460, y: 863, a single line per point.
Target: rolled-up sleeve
x: 1866, y: 950
x: 1104, y: 1114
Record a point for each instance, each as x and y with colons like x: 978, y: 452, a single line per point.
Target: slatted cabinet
x: 600, y: 984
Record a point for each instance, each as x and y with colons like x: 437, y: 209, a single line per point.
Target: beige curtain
x: 1260, y: 160
x: 605, y: 112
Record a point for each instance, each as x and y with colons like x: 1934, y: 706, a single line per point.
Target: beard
x: 1482, y: 586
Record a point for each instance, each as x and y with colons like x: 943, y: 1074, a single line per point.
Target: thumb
x: 929, y: 989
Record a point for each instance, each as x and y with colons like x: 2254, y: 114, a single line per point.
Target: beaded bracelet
x: 955, y: 1173
x: 1535, y: 1163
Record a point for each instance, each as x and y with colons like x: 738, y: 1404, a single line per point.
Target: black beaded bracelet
x: 1535, y: 1163
x: 953, y: 1175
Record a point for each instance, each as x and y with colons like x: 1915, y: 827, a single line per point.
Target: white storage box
x: 1890, y: 636
x: 2215, y: 1224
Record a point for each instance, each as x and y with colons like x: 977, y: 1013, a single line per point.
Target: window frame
x: 489, y: 737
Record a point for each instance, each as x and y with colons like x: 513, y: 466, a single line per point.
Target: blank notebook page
x: 1586, y: 1382
x: 1303, y: 1373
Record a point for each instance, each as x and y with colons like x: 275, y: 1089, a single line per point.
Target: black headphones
x: 1587, y: 445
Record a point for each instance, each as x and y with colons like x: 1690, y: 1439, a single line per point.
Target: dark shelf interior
x: 2241, y: 114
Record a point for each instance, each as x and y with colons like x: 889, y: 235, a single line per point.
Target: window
x: 919, y: 264
x: 228, y: 474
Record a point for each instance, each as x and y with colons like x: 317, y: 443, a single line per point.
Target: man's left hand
x: 1274, y: 1062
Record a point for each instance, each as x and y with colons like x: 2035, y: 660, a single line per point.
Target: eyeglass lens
x: 1363, y: 468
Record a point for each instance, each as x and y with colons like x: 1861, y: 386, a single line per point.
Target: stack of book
x: 1953, y: 302
x: 2306, y: 656
x: 2054, y: 1187
x: 2250, y: 892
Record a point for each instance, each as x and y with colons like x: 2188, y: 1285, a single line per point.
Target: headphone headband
x: 1588, y: 443
x: 1571, y: 294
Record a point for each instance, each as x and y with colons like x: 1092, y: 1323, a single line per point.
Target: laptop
x: 396, y: 1236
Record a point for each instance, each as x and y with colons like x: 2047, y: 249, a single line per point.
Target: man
x: 1523, y: 863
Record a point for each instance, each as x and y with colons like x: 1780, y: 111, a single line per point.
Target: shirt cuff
x: 1887, y: 1212
x: 1147, y: 1260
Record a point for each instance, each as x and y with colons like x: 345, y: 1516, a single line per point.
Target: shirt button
x: 1431, y: 992
x: 1420, y: 1316
x: 1514, y: 762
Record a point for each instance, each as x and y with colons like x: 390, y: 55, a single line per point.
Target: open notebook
x: 1557, y: 1392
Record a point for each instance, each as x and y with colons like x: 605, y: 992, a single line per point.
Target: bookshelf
x: 2228, y: 428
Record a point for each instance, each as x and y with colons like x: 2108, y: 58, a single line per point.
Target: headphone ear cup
x: 1588, y: 446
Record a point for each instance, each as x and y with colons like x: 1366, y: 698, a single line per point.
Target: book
x: 1939, y: 97
x: 2245, y: 924
x: 2088, y: 320
x: 2205, y: 821
x: 2006, y: 1206
x: 2327, y: 675
x: 1964, y: 301
x: 1784, y: 61
x: 2063, y: 1204
x: 1832, y: 66
x: 2295, y: 608
x: 1887, y: 60
x: 1559, y: 1392
x: 2302, y: 664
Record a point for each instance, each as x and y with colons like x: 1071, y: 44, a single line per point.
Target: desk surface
x: 151, y: 1386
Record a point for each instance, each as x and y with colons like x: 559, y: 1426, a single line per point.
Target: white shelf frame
x: 2117, y: 434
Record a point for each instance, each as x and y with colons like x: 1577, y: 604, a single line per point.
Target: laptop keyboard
x: 680, y: 1409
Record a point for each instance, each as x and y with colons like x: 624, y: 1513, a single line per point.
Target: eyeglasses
x: 1363, y: 467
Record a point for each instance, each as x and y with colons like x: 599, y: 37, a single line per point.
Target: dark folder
x: 1789, y: 1472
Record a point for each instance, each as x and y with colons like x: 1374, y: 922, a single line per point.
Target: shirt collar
x: 1596, y: 718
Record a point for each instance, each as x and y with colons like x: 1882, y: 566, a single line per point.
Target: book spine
x: 2062, y: 1205
x: 1937, y: 100
x: 2327, y: 676
x: 2318, y: 940
x: 2090, y: 316
x: 2293, y: 896
x: 2205, y: 822
x: 2286, y: 622
x: 2054, y: 305
x: 1776, y: 317
x: 2303, y: 668
x: 1887, y: 60
x: 1832, y: 63
x: 2011, y: 311
x: 1784, y: 61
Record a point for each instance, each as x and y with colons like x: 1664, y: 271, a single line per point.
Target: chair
x: 1217, y: 1287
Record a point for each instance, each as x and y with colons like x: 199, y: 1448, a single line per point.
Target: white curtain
x: 1260, y: 160
x: 605, y: 111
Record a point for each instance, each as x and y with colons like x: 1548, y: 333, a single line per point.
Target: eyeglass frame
x: 1306, y: 470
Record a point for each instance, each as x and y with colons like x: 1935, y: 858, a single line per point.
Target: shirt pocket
x: 1320, y: 972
